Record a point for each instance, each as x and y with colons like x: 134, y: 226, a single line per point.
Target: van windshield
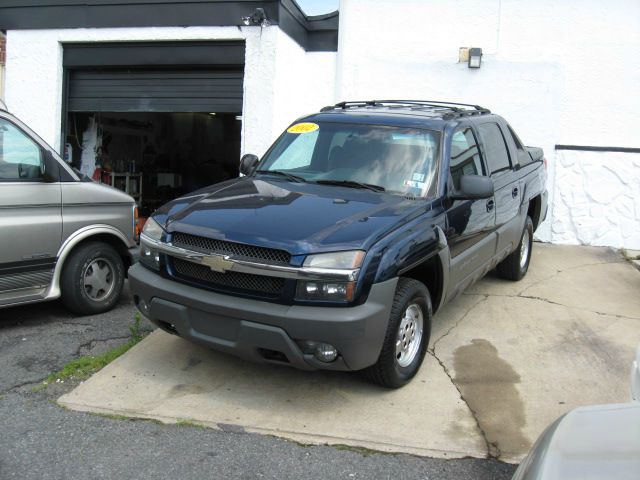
x: 394, y: 159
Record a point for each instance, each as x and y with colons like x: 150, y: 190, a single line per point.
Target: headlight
x: 348, y: 259
x: 152, y: 229
x: 330, y: 291
x: 151, y: 235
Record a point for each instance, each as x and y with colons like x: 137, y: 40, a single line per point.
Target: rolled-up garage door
x: 155, y: 90
x: 185, y: 76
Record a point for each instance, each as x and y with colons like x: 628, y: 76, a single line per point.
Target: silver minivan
x: 61, y: 235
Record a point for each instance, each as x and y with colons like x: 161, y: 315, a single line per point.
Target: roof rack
x: 448, y: 109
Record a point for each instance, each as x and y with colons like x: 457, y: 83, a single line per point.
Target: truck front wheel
x: 407, y: 336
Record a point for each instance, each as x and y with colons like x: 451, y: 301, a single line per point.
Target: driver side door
x: 470, y: 228
x: 30, y: 215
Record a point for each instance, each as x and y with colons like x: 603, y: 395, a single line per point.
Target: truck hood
x: 301, y: 218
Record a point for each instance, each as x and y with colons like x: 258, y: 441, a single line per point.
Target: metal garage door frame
x: 142, y: 58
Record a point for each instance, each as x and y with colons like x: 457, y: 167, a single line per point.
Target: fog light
x: 325, y: 352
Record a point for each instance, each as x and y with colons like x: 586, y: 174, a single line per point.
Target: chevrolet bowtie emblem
x: 217, y: 263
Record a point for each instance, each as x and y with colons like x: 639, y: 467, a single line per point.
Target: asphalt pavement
x: 41, y: 440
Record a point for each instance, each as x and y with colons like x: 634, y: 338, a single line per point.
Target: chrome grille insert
x: 236, y: 250
x: 204, y: 276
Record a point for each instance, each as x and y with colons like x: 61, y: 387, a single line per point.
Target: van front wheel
x: 92, y: 279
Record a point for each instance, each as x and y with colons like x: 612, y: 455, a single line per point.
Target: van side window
x: 20, y: 157
x: 495, y: 148
x: 465, y: 156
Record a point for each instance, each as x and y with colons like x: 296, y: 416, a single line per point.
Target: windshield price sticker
x: 305, y: 127
x: 414, y: 184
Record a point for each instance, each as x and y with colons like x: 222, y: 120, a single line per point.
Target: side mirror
x: 474, y: 187
x: 248, y: 163
x: 50, y: 168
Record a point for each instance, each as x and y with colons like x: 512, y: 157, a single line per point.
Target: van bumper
x: 254, y: 330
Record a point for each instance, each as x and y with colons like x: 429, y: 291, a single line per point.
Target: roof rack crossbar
x: 452, y: 107
x: 431, y: 102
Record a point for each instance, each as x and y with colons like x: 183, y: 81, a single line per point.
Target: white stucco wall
x: 277, y: 70
x: 304, y: 81
x: 561, y: 72
x: 300, y: 83
x: 597, y: 199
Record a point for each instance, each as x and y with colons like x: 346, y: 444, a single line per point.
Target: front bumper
x: 134, y: 254
x: 253, y: 329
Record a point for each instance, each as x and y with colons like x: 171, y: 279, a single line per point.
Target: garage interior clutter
x: 154, y: 156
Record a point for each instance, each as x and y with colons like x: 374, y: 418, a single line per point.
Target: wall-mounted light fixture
x: 475, y: 57
x: 258, y: 17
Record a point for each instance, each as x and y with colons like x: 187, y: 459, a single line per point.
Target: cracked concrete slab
x: 169, y: 379
x: 506, y: 359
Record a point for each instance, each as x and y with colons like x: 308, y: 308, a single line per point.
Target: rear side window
x: 20, y: 156
x: 523, y: 156
x: 495, y: 149
x: 465, y: 156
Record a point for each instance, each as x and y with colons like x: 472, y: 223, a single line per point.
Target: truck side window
x: 516, y: 140
x: 523, y: 156
x: 20, y: 157
x: 465, y: 156
x: 495, y: 148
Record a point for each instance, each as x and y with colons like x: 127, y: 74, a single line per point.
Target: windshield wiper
x: 288, y: 176
x: 352, y: 184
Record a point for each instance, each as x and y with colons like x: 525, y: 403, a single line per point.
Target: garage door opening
x: 155, y: 119
x: 154, y: 156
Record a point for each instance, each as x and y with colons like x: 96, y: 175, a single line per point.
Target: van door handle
x: 490, y: 205
x: 514, y: 192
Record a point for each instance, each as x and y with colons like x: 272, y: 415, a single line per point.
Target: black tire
x: 388, y: 371
x: 78, y: 294
x: 511, y: 268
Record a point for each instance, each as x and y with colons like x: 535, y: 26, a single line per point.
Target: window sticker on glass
x: 305, y: 127
x: 414, y: 184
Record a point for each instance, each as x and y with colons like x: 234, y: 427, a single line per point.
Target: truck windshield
x: 393, y: 159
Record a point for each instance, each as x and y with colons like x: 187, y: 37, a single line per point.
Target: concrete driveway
x: 505, y: 360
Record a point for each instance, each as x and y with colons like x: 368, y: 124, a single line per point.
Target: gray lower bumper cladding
x: 266, y: 332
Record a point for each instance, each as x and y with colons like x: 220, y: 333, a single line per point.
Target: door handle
x: 514, y: 192
x: 490, y: 205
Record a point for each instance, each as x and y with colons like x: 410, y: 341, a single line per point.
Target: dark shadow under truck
x: 337, y: 247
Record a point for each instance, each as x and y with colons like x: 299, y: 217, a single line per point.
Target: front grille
x: 237, y: 250
x: 245, y: 282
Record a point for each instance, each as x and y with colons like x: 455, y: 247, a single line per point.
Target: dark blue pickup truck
x: 336, y: 248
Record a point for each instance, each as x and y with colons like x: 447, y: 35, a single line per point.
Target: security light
x: 258, y: 17
x: 475, y: 57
